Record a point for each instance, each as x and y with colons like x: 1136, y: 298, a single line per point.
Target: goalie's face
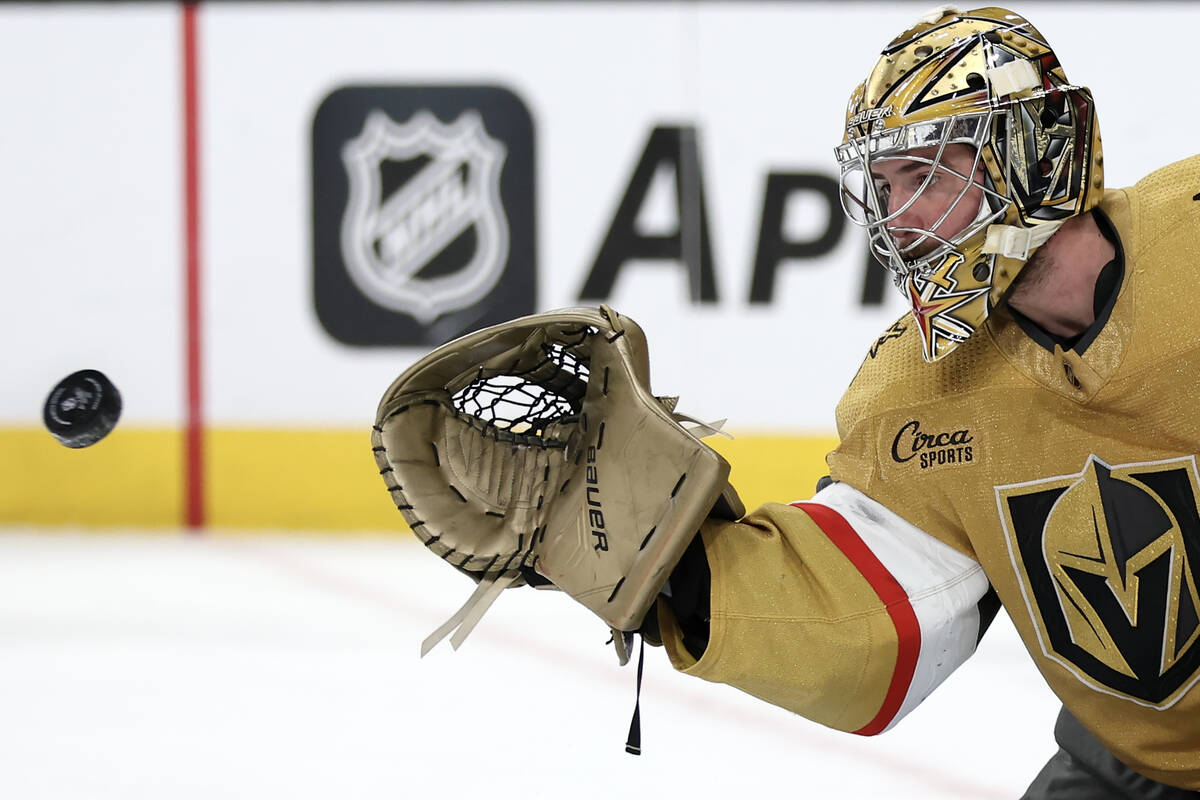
x: 927, y: 198
x: 922, y: 200
x: 922, y: 190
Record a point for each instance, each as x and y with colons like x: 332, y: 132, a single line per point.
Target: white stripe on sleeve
x: 943, y: 586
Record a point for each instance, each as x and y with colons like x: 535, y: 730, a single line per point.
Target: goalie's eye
x: 883, y: 190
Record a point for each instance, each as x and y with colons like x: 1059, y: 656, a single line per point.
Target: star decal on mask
x: 943, y: 273
x: 932, y: 305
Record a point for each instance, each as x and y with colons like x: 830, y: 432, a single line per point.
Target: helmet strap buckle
x: 1011, y: 241
x: 1015, y: 76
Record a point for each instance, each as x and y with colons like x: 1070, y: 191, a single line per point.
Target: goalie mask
x: 964, y: 151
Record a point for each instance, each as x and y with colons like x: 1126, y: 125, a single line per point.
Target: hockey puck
x: 82, y: 408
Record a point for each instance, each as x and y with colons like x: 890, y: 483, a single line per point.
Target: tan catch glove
x: 535, y: 448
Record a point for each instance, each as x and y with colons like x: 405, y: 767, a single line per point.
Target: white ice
x: 175, y: 666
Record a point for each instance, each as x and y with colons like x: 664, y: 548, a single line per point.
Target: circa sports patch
x: 926, y: 446
x: 1107, y: 561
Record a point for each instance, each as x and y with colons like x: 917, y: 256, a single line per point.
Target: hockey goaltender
x: 1046, y: 309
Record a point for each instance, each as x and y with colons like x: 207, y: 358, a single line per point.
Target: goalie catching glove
x: 533, y: 451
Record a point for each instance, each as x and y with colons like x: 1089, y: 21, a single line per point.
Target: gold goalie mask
x: 964, y: 151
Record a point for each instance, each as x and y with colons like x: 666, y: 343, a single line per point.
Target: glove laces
x: 466, y: 618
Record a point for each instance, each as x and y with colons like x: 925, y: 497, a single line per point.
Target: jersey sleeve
x: 835, y: 608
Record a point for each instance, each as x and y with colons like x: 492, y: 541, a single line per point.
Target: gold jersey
x: 1069, y: 477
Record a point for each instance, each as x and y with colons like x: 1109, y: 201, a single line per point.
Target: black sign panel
x: 423, y: 212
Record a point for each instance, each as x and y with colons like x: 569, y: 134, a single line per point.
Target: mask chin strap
x: 1011, y: 241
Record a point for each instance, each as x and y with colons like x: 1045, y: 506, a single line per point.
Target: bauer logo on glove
x: 533, y: 451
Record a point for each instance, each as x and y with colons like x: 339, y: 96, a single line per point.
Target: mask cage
x: 865, y: 198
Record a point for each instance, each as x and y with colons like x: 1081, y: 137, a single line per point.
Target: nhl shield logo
x: 1109, y: 563
x: 451, y: 192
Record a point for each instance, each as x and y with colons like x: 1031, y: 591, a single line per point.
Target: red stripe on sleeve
x: 893, y: 596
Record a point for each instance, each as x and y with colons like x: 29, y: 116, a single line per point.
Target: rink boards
x: 672, y: 160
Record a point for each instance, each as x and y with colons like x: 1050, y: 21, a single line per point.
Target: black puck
x: 82, y: 408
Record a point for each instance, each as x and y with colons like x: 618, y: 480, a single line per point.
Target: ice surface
x: 166, y: 665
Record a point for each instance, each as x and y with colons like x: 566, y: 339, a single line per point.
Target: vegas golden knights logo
x: 1107, y: 561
